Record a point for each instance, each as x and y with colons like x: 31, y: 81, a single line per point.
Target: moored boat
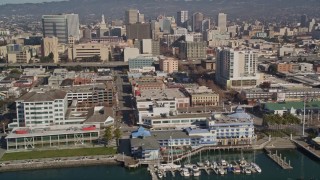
x: 223, y: 162
x: 185, y: 172
x: 236, y: 170
x: 189, y: 166
x: 214, y: 164
x: 207, y: 163
x: 221, y: 171
x: 256, y: 167
x: 160, y: 175
x: 246, y: 171
x: 196, y: 171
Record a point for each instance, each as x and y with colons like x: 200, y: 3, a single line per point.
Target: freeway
x: 111, y: 64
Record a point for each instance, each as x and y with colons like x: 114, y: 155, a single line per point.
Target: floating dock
x: 278, y: 159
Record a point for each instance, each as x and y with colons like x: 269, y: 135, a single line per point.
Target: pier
x: 278, y: 159
x: 209, y: 148
x: 305, y: 146
x: 152, y: 172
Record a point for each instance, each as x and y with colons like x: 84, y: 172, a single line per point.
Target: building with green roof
x: 295, y: 108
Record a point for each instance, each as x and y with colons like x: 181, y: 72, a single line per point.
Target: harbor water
x: 304, y: 167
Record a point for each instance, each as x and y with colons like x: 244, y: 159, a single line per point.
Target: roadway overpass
x: 69, y: 64
x: 112, y: 64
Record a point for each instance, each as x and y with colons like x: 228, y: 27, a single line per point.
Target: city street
x: 125, y: 104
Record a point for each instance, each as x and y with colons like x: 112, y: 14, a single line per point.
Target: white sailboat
x: 188, y: 165
x: 196, y: 171
x: 256, y: 167
x: 200, y: 164
x: 185, y: 172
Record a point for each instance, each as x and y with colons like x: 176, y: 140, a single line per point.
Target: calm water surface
x: 304, y: 167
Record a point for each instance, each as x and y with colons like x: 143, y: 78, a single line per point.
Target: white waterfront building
x: 41, y: 109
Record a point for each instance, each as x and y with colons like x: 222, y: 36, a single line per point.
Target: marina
x: 208, y: 167
x: 305, y: 167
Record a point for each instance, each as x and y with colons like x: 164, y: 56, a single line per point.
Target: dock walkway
x: 278, y: 159
x: 152, y: 172
x: 206, y: 148
x: 302, y: 144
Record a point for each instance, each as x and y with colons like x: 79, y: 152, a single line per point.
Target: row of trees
x: 111, y: 133
x: 276, y: 119
x: 47, y: 59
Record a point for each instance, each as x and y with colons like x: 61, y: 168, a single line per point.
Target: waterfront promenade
x: 56, y: 162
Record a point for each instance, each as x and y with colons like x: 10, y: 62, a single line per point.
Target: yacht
x: 169, y: 166
x: 196, y: 171
x: 160, y: 175
x: 221, y: 171
x: 185, y: 172
x: 223, y: 162
x: 237, y: 170
x: 246, y: 171
x: 214, y: 164
x: 207, y: 163
x: 256, y: 167
x: 188, y: 166
x: 230, y: 168
x: 200, y: 164
x: 242, y: 162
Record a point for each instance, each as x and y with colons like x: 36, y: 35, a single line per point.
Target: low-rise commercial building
x: 220, y: 129
x: 205, y: 99
x: 289, y: 94
x: 140, y: 62
x: 295, y: 108
x: 85, y: 51
x: 30, y: 138
x: 169, y: 65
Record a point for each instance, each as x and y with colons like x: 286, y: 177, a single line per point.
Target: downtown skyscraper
x: 61, y: 26
x: 182, y: 18
x: 222, y: 22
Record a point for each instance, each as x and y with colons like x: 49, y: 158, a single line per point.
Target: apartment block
x: 169, y: 65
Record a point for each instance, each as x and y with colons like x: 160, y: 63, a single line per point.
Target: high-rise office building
x: 139, y: 31
x: 141, y: 18
x: 197, y: 19
x: 131, y: 16
x: 222, y: 22
x: 182, y: 18
x: 50, y: 45
x: 103, y: 30
x: 304, y: 21
x: 237, y: 68
x: 61, y: 26
x: 148, y: 46
x: 166, y: 26
x: 205, y: 25
x: 192, y: 50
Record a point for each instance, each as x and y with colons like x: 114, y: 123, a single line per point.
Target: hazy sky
x: 24, y: 1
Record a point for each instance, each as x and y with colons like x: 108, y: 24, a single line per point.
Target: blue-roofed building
x: 239, y: 113
x: 232, y: 128
x: 201, y: 136
x: 141, y: 132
